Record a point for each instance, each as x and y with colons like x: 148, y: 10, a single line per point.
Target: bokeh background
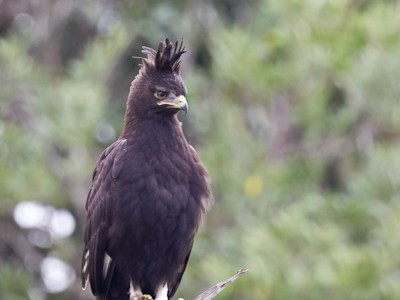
x: 294, y: 109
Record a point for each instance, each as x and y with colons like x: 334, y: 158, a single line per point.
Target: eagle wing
x: 94, y: 259
x: 199, y: 189
x: 175, y: 282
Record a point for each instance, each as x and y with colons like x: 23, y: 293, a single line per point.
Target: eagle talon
x: 139, y: 296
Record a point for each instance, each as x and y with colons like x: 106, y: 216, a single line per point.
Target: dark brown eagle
x: 149, y: 190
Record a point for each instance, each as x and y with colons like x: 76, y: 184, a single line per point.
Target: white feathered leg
x: 134, y: 294
x: 162, y: 293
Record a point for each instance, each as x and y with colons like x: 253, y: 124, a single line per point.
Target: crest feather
x: 166, y: 58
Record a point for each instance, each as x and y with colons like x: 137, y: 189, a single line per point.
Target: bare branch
x: 219, y: 287
x: 208, y: 294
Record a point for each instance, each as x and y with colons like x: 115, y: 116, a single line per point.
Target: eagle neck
x: 160, y: 128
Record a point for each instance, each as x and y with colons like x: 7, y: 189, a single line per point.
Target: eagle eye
x: 161, y: 95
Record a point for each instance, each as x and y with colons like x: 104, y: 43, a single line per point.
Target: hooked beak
x: 178, y: 102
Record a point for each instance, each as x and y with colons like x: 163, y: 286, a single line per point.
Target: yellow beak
x: 178, y: 102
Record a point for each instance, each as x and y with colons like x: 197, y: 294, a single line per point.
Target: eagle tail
x: 116, y: 285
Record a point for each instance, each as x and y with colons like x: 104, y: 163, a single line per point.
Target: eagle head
x: 158, y: 89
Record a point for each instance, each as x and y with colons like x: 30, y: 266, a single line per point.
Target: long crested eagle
x: 149, y: 190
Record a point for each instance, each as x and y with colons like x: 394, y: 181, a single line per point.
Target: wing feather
x: 175, y: 282
x: 199, y: 186
x: 98, y: 202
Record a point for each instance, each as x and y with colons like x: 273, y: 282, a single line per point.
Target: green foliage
x: 295, y: 114
x: 14, y: 283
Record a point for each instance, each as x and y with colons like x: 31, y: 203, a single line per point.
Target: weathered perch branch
x: 219, y: 287
x: 211, y: 292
